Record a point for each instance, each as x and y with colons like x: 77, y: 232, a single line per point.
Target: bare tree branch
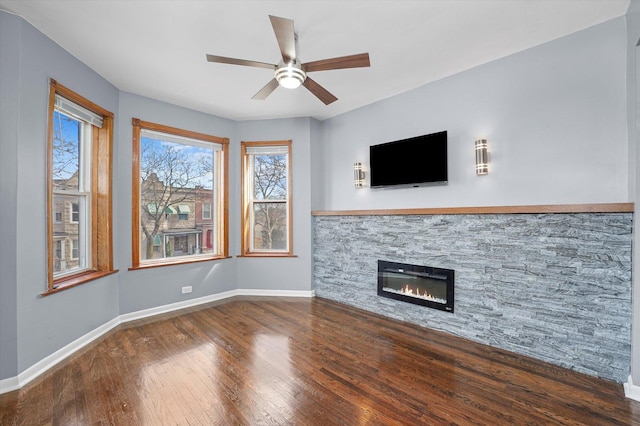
x: 169, y: 176
x: 270, y: 192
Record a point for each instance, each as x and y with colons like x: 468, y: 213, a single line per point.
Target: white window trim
x: 72, y: 249
x: 71, y: 109
x: 62, y: 244
x: 217, y: 172
x: 71, y: 212
x: 208, y: 210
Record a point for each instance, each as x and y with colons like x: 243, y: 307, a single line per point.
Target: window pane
x: 64, y: 226
x: 75, y: 212
x: 59, y: 259
x: 270, y: 226
x: 67, y: 133
x: 270, y: 177
x: 206, y: 211
x: 57, y: 215
x: 71, y: 140
x: 70, y: 234
x: 174, y: 178
x: 75, y: 249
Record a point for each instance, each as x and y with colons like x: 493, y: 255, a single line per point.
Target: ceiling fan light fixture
x: 290, y: 75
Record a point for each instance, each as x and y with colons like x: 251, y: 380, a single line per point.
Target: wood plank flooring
x: 283, y: 361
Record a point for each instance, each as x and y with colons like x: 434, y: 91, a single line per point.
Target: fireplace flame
x: 409, y: 291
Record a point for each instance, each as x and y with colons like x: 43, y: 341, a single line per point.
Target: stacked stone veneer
x: 556, y: 287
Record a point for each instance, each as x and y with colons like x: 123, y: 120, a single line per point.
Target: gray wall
x: 633, y: 121
x: 317, y: 166
x: 43, y: 324
x: 10, y: 28
x: 148, y: 288
x: 290, y: 273
x: 554, y: 116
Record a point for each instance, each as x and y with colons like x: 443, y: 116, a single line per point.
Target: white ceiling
x: 157, y: 48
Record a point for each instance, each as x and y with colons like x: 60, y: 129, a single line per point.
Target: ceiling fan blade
x: 319, y: 91
x: 266, y: 90
x: 233, y: 61
x: 285, y: 34
x: 352, y: 61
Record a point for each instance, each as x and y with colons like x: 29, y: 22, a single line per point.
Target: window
x: 183, y: 212
x: 75, y: 212
x: 176, y: 170
x: 206, y: 211
x: 75, y: 249
x: 79, y: 185
x: 57, y: 217
x: 58, y: 255
x: 266, y: 199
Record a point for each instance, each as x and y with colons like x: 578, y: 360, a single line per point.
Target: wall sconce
x: 482, y: 157
x: 358, y: 175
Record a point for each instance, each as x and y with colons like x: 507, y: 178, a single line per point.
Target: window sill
x: 267, y: 255
x: 176, y: 262
x: 75, y: 280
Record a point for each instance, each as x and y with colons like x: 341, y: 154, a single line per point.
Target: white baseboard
x: 8, y: 385
x: 631, y: 391
x: 145, y: 313
x: 14, y: 383
x: 212, y: 298
x: 48, y: 362
x: 275, y: 293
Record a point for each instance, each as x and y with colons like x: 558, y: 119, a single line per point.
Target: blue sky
x: 66, y: 139
x: 190, y: 154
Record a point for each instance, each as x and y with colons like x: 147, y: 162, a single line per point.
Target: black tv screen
x: 416, y: 161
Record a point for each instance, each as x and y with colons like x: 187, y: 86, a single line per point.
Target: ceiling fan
x: 289, y: 72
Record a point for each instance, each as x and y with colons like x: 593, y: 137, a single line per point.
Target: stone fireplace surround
x: 551, y: 282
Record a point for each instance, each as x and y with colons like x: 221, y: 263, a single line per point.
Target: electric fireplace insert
x: 421, y: 285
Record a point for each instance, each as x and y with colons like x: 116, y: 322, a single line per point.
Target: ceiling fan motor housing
x: 290, y: 75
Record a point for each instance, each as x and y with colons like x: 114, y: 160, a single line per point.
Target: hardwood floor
x: 280, y: 361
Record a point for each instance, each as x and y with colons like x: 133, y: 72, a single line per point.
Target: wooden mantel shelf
x: 532, y: 209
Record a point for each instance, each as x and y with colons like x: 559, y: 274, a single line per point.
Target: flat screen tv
x: 417, y: 161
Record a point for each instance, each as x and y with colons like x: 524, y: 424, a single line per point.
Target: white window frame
x: 208, y: 211
x: 74, y: 242
x: 59, y: 244
x: 83, y: 193
x: 71, y: 210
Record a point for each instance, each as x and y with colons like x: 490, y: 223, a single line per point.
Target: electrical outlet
x: 187, y: 289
